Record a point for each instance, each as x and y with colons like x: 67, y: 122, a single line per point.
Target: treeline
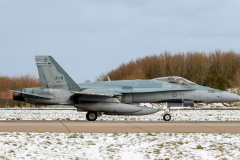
x: 17, y: 82
x: 217, y: 69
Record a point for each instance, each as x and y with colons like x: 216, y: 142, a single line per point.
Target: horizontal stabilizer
x: 31, y: 94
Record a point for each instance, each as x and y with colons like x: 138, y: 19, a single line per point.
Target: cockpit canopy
x: 176, y: 80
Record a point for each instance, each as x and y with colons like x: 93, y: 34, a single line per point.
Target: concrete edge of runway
x: 121, y: 126
x: 118, y: 121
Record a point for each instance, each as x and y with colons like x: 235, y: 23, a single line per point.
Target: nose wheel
x: 167, y: 117
x: 91, y: 116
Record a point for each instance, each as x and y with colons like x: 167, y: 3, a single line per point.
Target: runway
x: 121, y: 126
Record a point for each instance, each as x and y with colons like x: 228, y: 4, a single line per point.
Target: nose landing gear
x: 167, y: 115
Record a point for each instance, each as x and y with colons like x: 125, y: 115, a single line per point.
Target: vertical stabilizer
x: 52, y: 75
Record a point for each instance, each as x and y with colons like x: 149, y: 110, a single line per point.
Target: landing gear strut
x: 167, y: 116
x: 91, y: 116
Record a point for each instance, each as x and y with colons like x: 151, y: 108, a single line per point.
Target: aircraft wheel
x: 167, y: 117
x: 91, y: 116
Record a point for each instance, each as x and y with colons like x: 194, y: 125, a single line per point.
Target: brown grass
x: 215, y: 69
x: 17, y: 82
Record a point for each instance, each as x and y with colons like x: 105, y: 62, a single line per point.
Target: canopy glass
x: 176, y: 79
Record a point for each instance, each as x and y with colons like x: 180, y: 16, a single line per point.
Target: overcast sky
x: 91, y: 37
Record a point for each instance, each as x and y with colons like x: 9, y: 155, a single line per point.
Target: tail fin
x: 52, y: 75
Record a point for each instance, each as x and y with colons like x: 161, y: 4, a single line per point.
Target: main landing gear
x: 92, y: 116
x: 167, y: 115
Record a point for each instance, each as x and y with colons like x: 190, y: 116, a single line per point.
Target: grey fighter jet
x: 115, y: 97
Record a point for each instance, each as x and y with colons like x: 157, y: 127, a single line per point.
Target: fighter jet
x: 120, y: 97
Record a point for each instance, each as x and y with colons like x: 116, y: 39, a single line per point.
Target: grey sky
x: 91, y: 37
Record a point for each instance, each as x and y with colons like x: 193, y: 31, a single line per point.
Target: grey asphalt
x: 121, y: 126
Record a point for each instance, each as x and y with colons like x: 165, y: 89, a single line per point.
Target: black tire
x: 167, y: 117
x: 91, y: 116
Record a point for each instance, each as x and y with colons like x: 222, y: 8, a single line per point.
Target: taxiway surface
x: 121, y: 126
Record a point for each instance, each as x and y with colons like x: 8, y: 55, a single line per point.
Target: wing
x: 98, y: 92
x: 31, y: 94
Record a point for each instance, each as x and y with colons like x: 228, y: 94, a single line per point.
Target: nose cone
x: 229, y: 97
